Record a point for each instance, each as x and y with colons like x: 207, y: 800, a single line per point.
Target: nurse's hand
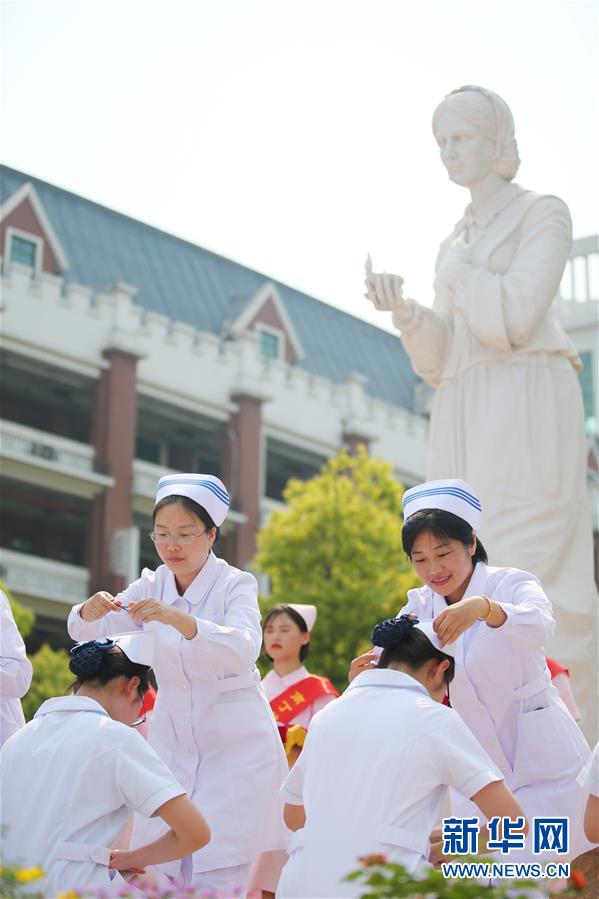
x: 98, y: 605
x: 124, y: 860
x: 151, y: 610
x: 366, y: 662
x: 457, y: 618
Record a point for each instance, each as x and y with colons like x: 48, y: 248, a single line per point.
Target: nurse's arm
x: 98, y: 617
x: 294, y: 816
x: 188, y: 832
x: 15, y: 667
x: 591, y: 819
x: 497, y: 800
x: 530, y: 620
x: 235, y: 644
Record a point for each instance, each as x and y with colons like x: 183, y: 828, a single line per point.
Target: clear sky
x: 295, y: 136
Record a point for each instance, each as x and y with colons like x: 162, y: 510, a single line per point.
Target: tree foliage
x: 51, y: 677
x: 337, y: 545
x: 24, y: 618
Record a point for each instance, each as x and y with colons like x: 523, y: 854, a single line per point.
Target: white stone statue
x: 507, y: 415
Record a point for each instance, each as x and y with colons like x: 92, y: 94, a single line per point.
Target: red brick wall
x: 113, y: 437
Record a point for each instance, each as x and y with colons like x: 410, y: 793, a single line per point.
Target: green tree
x: 24, y: 618
x: 51, y: 677
x: 337, y: 544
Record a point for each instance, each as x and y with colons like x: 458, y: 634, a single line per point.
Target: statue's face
x: 466, y: 152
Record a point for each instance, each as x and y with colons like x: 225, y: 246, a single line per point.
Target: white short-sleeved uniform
x: 372, y: 777
x: 70, y: 780
x: 267, y: 869
x: 589, y: 776
x: 502, y: 690
x: 15, y: 673
x: 211, y: 723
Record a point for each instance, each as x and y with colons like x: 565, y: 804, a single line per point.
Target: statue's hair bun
x: 392, y: 631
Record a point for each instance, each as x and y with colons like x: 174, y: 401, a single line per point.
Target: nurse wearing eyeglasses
x: 211, y: 724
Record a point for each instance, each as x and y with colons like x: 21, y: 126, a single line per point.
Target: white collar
x: 292, y: 677
x: 476, y: 585
x: 70, y: 704
x: 200, y: 585
x: 387, y: 677
x: 499, y: 201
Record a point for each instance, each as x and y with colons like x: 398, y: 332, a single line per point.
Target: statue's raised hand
x: 384, y: 291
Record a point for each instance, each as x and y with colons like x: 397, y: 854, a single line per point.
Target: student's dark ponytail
x: 102, y: 661
x: 403, y: 643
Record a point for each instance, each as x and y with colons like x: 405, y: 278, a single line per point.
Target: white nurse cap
x: 204, y: 489
x: 427, y: 628
x: 450, y: 495
x: 307, y: 612
x: 137, y: 646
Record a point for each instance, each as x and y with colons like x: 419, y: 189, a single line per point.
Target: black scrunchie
x: 86, y: 657
x: 392, y: 631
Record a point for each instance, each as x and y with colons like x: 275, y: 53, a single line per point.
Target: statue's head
x: 475, y: 131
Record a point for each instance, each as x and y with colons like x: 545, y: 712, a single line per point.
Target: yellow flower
x: 70, y: 894
x: 25, y: 875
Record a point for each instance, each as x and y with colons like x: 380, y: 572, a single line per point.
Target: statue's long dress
x: 507, y: 415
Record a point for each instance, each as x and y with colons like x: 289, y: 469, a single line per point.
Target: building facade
x: 127, y: 353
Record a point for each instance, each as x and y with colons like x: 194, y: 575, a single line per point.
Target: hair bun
x: 392, y: 631
x: 86, y: 658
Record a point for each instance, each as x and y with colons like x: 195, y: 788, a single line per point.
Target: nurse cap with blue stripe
x: 204, y: 489
x: 451, y: 495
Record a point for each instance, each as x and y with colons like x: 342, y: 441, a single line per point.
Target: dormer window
x: 24, y: 249
x: 271, y: 342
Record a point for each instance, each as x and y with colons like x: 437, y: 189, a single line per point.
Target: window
x: 269, y: 344
x: 587, y: 384
x: 23, y: 251
x: 149, y: 449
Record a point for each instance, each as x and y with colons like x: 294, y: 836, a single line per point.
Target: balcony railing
x: 44, y: 578
x: 50, y: 452
x: 146, y: 476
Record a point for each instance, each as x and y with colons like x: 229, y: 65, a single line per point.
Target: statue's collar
x: 491, y: 209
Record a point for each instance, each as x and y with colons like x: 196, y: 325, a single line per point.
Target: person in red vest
x: 560, y: 678
x: 295, y: 696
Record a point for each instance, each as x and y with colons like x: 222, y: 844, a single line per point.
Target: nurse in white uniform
x: 500, y: 619
x: 72, y: 777
x: 295, y: 696
x: 376, y: 765
x: 589, y: 781
x: 211, y: 723
x: 15, y: 673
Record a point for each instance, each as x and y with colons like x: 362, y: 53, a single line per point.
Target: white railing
x: 44, y: 578
x: 19, y: 441
x: 146, y: 476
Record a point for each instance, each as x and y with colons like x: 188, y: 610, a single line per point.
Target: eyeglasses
x: 138, y: 721
x: 176, y: 540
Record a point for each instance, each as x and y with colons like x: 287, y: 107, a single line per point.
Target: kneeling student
x: 376, y: 766
x: 72, y: 777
